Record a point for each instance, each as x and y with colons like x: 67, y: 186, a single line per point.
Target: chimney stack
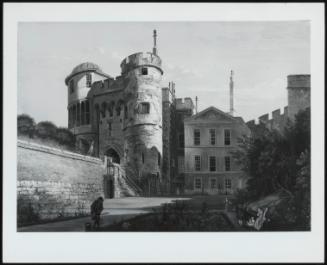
x: 231, y: 94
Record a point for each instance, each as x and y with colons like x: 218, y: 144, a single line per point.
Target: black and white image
x: 163, y: 126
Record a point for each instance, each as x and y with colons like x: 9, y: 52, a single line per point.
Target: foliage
x: 302, y: 191
x: 46, y: 130
x: 279, y: 161
x: 65, y: 137
x: 176, y: 217
x: 25, y: 125
x: 47, y: 133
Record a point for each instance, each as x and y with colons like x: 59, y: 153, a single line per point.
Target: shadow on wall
x: 41, y: 206
x: 44, y: 201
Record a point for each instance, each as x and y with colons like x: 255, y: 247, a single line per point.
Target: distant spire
x: 154, y: 50
x: 196, y: 105
x: 231, y: 94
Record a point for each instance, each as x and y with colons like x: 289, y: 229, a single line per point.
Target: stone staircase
x: 125, y: 186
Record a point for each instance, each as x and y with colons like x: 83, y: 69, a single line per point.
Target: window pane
x: 198, y: 183
x: 212, y: 163
x: 110, y: 128
x: 144, y: 108
x: 118, y: 110
x: 228, y: 184
x: 212, y: 133
x: 196, y: 137
x: 227, y: 137
x: 82, y: 113
x: 213, y: 183
x: 197, y: 160
x: 144, y: 71
x: 78, y: 114
x: 227, y: 163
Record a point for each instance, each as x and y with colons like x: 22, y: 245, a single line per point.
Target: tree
x: 302, y: 191
x: 65, y: 137
x: 276, y: 161
x: 46, y: 130
x: 25, y: 125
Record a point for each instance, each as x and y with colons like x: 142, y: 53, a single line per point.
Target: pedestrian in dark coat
x: 96, y: 209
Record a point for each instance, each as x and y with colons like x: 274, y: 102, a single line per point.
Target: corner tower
x: 298, y: 87
x: 143, y: 118
x: 79, y: 83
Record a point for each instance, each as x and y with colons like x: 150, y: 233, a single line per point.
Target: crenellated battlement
x: 140, y: 59
x: 107, y: 84
x: 273, y: 120
x: 298, y: 81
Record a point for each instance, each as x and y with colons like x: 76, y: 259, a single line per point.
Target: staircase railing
x: 129, y: 181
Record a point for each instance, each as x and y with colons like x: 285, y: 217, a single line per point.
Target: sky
x: 197, y: 56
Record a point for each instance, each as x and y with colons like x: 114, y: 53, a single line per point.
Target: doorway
x: 113, y: 155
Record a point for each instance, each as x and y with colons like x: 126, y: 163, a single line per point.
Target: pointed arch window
x: 87, y: 112
x: 78, y: 120
x: 82, y: 113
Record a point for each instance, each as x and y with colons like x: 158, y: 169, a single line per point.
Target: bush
x: 25, y: 125
x: 46, y: 130
x: 65, y: 137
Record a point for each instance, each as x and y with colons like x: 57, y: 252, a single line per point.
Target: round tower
x: 298, y: 87
x: 79, y: 83
x: 143, y: 118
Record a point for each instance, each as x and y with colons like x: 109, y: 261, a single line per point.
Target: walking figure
x: 96, y: 209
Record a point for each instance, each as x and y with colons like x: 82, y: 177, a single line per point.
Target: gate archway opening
x: 114, y: 155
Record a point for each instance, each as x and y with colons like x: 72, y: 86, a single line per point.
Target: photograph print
x: 163, y: 126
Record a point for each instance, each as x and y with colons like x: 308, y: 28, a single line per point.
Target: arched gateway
x: 113, y: 155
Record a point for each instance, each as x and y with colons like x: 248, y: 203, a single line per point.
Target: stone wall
x: 143, y: 126
x: 166, y: 136
x: 277, y: 121
x: 52, y: 183
x: 109, y: 123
